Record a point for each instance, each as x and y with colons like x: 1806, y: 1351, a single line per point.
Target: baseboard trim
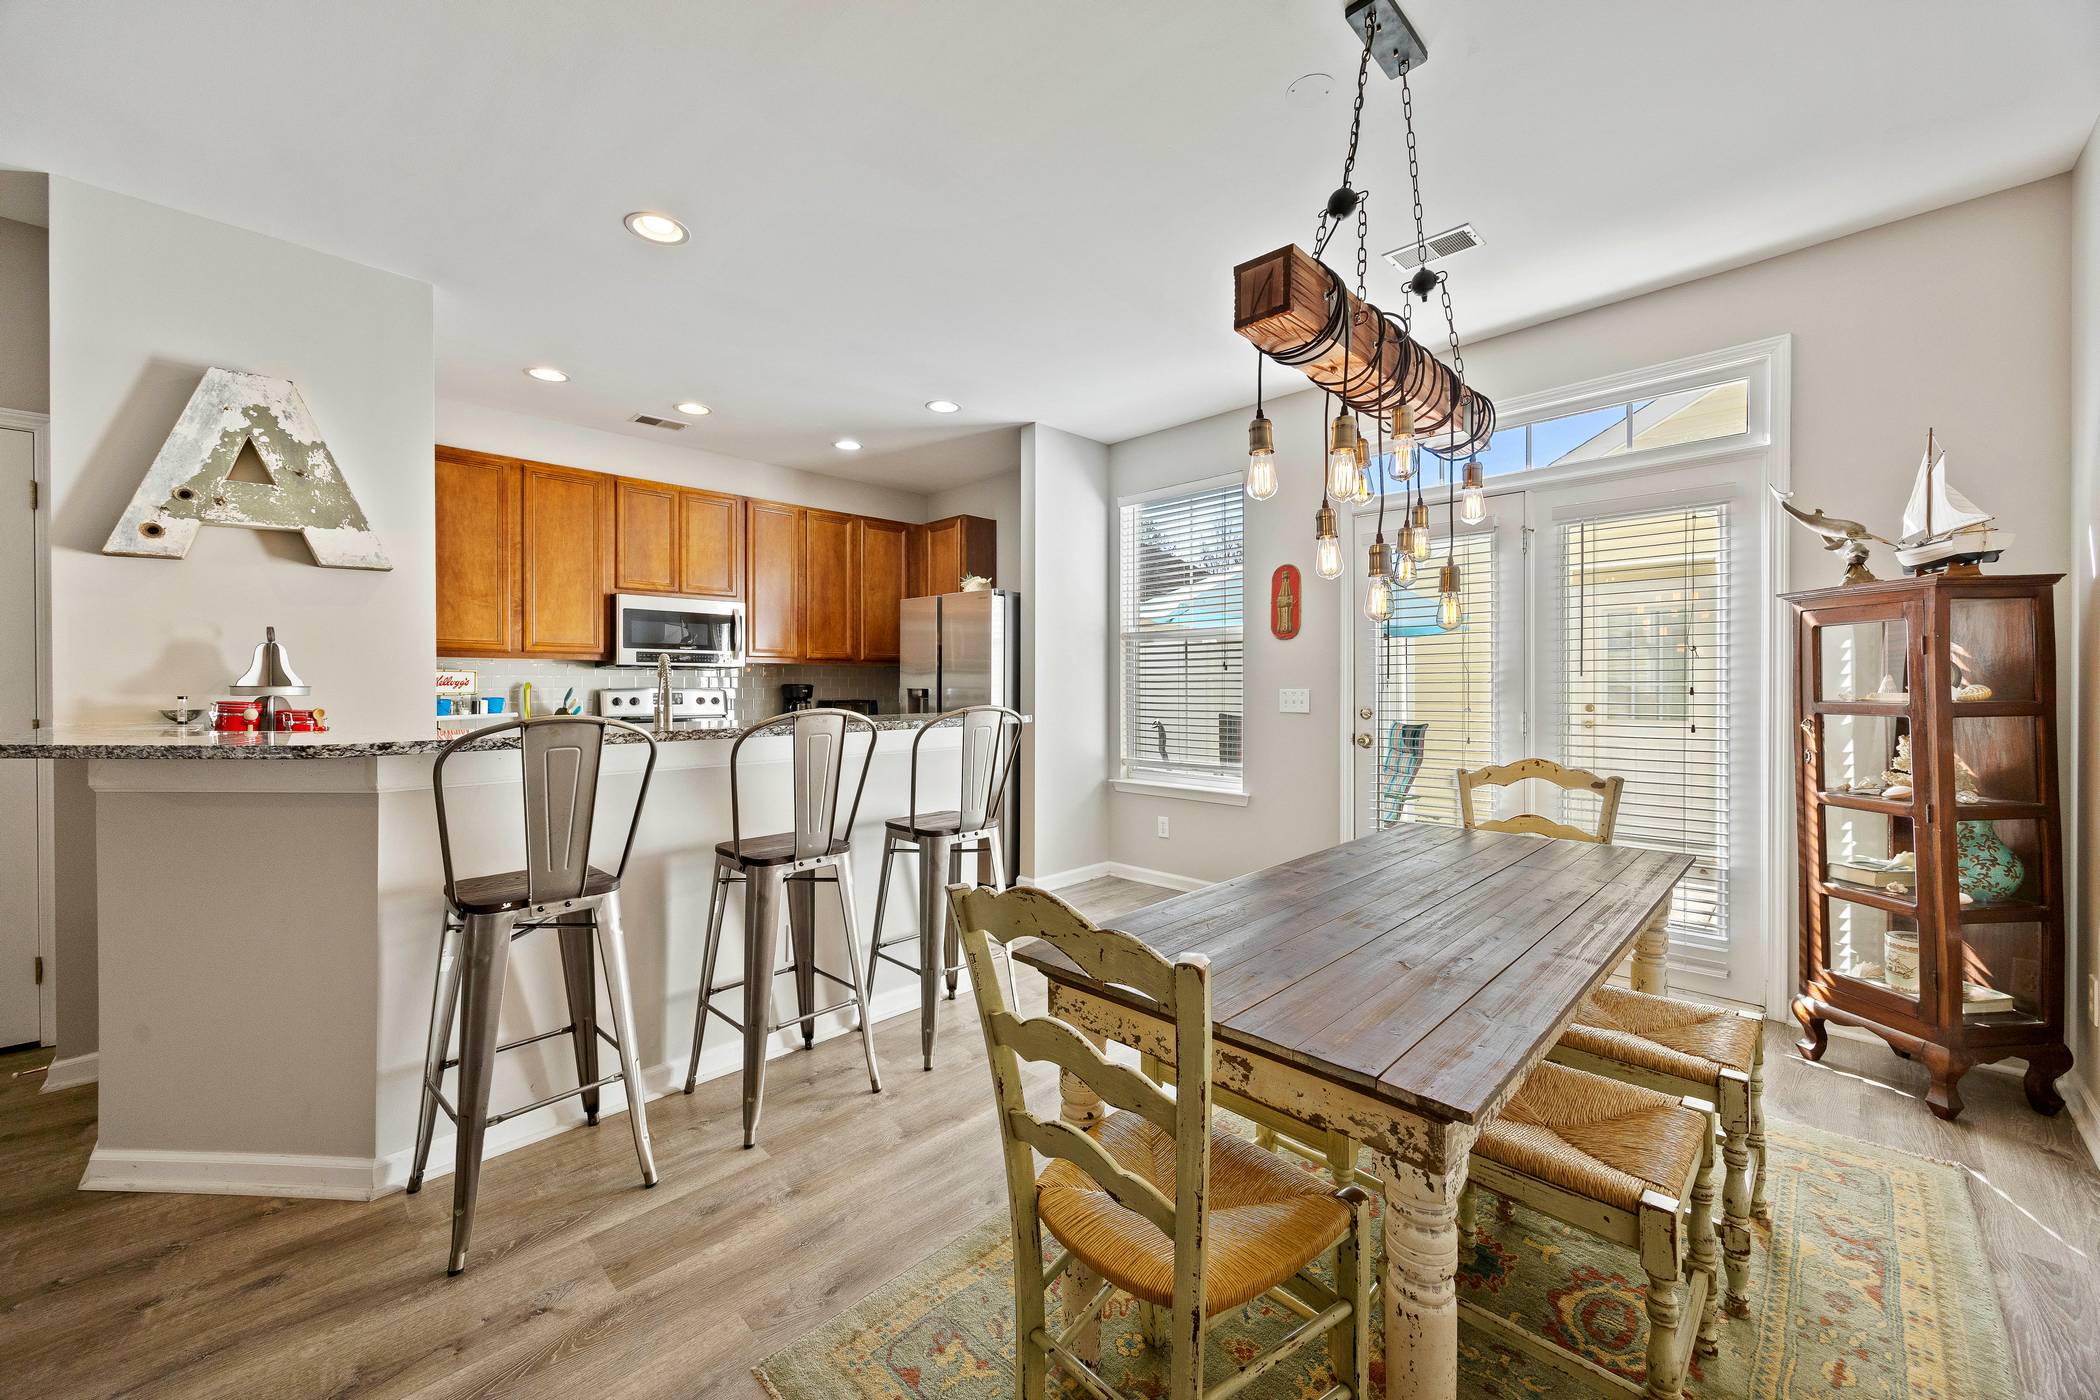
x: 72, y: 1072
x: 1065, y: 879
x: 2085, y: 1114
x: 1162, y: 878
x: 231, y: 1174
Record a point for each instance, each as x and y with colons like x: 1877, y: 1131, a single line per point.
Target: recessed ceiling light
x: 847, y: 445
x: 548, y: 373
x: 944, y: 406
x: 693, y: 409
x: 657, y: 228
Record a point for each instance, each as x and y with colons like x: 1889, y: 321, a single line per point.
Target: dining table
x: 1395, y: 989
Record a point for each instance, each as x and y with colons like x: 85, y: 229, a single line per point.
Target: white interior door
x: 20, y: 1012
x: 1430, y: 702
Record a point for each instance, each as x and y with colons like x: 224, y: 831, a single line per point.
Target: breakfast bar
x: 270, y: 907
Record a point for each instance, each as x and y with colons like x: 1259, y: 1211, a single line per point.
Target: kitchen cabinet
x: 566, y: 561
x: 646, y: 552
x: 773, y: 608
x: 710, y: 544
x: 830, y: 586
x: 953, y: 547
x: 529, y: 554
x: 477, y: 554
x: 883, y: 547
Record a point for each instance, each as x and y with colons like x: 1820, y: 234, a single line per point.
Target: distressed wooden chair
x: 1625, y: 1164
x: 1530, y: 823
x: 1151, y: 1198
x: 1683, y: 1049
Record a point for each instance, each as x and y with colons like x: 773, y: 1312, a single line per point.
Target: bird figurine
x: 1847, y: 537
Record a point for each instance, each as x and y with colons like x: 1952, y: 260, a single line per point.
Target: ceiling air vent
x: 1441, y: 245
x: 669, y: 425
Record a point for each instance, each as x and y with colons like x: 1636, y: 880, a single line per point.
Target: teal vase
x: 1988, y: 868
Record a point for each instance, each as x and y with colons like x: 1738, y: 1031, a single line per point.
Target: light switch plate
x: 1290, y: 701
x: 1163, y: 828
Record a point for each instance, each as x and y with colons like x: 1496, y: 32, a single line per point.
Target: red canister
x: 235, y: 716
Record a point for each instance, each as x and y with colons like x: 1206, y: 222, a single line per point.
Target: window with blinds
x: 1436, y: 691
x: 1183, y: 673
x: 1644, y: 677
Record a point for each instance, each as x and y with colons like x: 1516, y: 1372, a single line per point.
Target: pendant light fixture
x: 1472, y: 501
x: 1300, y: 312
x: 1378, y: 583
x: 1448, y: 603
x: 1261, y: 445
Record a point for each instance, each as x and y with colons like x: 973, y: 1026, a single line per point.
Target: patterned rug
x: 1871, y: 1282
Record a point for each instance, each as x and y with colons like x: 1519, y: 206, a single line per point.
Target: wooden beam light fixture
x: 1298, y: 311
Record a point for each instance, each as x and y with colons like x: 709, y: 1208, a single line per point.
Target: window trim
x: 1154, y: 782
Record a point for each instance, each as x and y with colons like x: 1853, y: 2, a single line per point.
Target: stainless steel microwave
x: 692, y: 631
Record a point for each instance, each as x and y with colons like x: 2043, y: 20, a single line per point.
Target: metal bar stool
x: 558, y: 889
x: 991, y: 741
x: 780, y: 873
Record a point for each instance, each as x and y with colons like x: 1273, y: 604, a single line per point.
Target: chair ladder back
x: 1607, y: 791
x: 1182, y: 991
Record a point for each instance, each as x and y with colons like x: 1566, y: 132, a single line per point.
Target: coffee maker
x: 797, y: 697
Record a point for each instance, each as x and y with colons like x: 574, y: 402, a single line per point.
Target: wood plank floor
x: 583, y: 1284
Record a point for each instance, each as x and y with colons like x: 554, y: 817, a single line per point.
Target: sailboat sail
x: 1950, y: 511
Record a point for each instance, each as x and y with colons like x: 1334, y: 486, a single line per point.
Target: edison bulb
x: 1403, y: 568
x: 1447, y: 616
x: 1361, y: 492
x: 1403, y: 433
x: 1420, y: 543
x: 1378, y: 598
x: 1472, y: 501
x: 1327, y: 557
x: 1403, y: 467
x: 1261, y: 475
x: 1342, y: 460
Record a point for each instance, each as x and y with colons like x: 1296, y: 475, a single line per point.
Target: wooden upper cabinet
x: 883, y: 568
x: 830, y: 586
x: 477, y: 554
x: 773, y: 608
x: 645, y: 537
x: 953, y: 547
x: 710, y: 544
x: 567, y: 561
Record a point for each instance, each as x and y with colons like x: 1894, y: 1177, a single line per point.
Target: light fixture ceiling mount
x: 654, y: 227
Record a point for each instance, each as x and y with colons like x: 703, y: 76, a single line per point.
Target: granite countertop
x: 197, y: 741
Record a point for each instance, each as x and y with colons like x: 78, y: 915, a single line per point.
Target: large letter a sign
x: 190, y: 483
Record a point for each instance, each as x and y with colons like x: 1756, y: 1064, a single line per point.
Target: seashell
x: 1972, y: 691
x: 1896, y: 792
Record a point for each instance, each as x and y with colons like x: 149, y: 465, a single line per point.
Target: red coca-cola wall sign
x: 1286, y: 602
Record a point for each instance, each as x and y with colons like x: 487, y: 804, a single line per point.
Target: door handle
x: 1363, y: 741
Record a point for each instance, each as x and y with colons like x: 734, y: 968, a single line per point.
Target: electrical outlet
x: 1294, y: 701
x: 2092, y: 999
x: 1162, y: 828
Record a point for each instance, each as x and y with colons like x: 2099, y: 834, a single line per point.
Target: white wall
x: 143, y: 301
x: 483, y: 429
x: 1884, y: 344
x: 25, y: 360
x: 2083, y: 816
x: 997, y: 499
x: 1065, y: 566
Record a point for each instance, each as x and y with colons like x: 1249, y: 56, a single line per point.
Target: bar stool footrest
x: 509, y: 1113
x: 532, y: 1040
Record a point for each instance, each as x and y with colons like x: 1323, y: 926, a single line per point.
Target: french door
x: 1609, y: 623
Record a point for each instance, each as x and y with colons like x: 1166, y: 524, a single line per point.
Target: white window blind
x: 1183, y: 667
x: 1445, y: 680
x: 1644, y: 671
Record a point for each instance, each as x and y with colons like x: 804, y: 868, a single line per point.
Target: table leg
x: 1651, y: 955
x: 1082, y: 1108
x: 1421, y: 1268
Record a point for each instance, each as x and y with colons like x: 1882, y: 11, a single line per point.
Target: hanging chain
x: 1328, y: 222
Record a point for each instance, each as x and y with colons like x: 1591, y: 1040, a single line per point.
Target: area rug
x: 1870, y: 1282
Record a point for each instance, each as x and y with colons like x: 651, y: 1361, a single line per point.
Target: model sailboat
x: 1943, y: 529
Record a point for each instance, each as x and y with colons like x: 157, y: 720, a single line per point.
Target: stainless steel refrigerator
x: 960, y: 649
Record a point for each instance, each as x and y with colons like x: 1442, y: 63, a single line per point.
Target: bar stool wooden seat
x: 991, y: 742
x: 1152, y: 1198
x: 780, y: 873
x: 1628, y: 1165
x: 558, y: 889
x: 1705, y: 1052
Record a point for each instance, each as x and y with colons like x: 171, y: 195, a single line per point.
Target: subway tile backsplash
x: 754, y: 690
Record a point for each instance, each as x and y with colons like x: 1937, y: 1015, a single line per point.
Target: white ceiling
x: 1031, y: 209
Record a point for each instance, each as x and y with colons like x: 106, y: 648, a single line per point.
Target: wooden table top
x: 1427, y: 965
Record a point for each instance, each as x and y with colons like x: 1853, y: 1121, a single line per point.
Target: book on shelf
x: 1873, y: 873
x: 1978, y: 1000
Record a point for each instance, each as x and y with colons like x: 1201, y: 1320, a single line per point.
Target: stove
x: 690, y: 709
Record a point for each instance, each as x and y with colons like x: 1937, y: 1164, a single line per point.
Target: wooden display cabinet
x: 1888, y: 668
